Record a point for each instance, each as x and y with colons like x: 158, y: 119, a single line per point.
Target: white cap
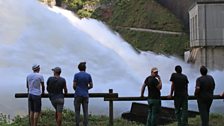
x: 35, y: 67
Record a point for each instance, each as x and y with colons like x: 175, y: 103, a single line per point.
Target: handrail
x: 162, y: 98
x: 113, y: 97
x: 71, y: 95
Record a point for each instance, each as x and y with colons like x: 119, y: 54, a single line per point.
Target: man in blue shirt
x: 81, y: 84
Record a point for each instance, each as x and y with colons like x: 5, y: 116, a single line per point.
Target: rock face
x: 49, y: 2
x: 139, y: 113
x: 58, y: 3
x: 180, y: 8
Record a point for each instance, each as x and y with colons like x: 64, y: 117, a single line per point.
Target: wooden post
x: 111, y: 114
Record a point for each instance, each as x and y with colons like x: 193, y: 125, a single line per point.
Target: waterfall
x: 32, y: 33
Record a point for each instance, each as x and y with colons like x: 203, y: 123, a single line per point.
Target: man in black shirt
x: 154, y: 85
x: 180, y: 88
x: 55, y: 86
x: 204, y: 90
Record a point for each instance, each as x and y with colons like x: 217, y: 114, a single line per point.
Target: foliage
x: 84, y: 8
x: 214, y: 120
x: 146, y: 14
x: 47, y: 119
x: 139, y: 14
x: 159, y: 43
x: 143, y: 14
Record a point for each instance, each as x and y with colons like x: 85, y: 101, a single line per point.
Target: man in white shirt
x: 34, y: 81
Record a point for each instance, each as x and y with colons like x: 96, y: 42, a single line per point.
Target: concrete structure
x: 207, y: 34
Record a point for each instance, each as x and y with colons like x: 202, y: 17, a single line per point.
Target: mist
x: 32, y: 33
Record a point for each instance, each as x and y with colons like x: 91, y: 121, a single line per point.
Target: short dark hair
x: 82, y: 66
x: 178, y: 69
x: 203, y: 70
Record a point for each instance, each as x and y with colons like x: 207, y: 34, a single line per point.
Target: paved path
x: 154, y: 31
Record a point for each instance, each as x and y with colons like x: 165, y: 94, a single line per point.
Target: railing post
x: 111, y: 114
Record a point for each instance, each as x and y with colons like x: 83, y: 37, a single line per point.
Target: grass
x: 159, y: 43
x: 47, y: 119
x: 140, y: 13
x: 215, y: 120
x: 145, y: 14
x: 148, y: 14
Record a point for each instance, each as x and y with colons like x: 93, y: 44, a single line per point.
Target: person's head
x: 154, y: 71
x: 82, y: 66
x: 178, y: 69
x: 36, y: 68
x: 203, y: 70
x: 56, y: 70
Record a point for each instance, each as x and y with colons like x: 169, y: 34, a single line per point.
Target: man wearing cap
x: 55, y: 86
x: 81, y: 84
x: 34, y: 81
x: 179, y: 86
x: 154, y: 85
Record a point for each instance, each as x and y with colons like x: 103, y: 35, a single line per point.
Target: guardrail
x: 111, y: 97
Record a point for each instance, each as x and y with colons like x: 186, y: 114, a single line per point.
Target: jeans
x: 77, y: 103
x: 204, y: 109
x: 181, y: 110
x: 154, y: 109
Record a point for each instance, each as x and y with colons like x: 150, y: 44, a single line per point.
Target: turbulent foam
x: 33, y: 33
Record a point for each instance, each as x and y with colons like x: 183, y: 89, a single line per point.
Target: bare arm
x: 27, y: 85
x: 74, y: 85
x: 43, y: 88
x: 143, y: 90
x: 171, y: 90
x: 197, y: 89
x: 159, y: 86
x: 90, y: 85
x: 65, y: 89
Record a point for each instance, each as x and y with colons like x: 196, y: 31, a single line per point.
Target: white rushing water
x: 33, y: 33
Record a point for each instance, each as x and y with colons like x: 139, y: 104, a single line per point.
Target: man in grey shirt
x: 34, y: 81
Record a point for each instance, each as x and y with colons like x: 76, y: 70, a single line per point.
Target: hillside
x: 120, y: 15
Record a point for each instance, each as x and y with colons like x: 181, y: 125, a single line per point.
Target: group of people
x: 82, y: 82
x: 204, y: 90
x: 56, y: 88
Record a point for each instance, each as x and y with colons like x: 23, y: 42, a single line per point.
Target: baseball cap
x: 56, y: 69
x: 35, y: 67
x: 154, y: 69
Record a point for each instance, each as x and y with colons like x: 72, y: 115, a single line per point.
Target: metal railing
x: 111, y: 97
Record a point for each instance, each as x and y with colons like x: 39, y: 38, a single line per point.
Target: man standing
x: 34, y: 81
x: 154, y: 85
x: 204, y: 90
x: 179, y: 86
x: 55, y: 87
x: 81, y: 84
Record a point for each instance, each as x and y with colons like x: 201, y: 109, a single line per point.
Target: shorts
x: 34, y: 103
x: 58, y: 104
